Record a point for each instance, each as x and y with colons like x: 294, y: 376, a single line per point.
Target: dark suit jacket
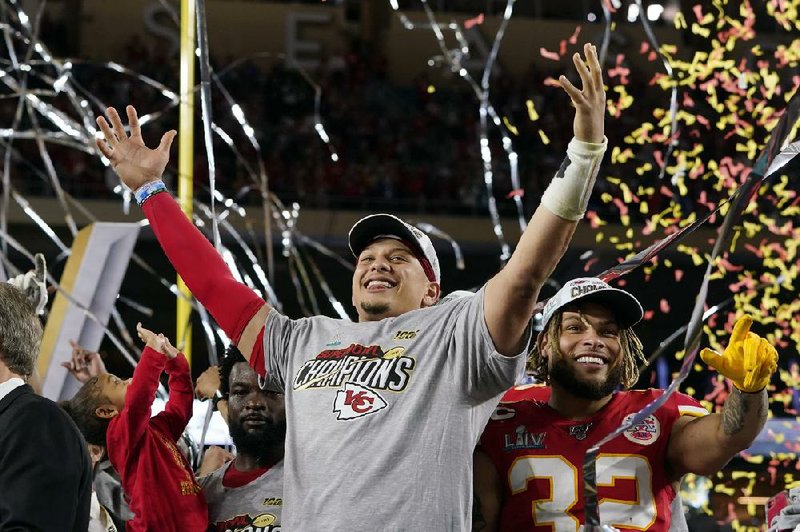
x: 45, y: 470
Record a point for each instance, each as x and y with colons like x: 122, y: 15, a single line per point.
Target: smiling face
x: 257, y: 418
x: 588, y: 362
x: 390, y: 281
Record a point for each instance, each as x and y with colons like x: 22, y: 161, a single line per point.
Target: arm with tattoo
x: 743, y: 415
x: 705, y: 445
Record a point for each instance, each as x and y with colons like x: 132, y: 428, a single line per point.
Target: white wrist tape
x: 569, y: 191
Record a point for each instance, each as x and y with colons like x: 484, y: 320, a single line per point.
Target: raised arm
x: 235, y: 307
x: 178, y: 411
x: 140, y: 394
x: 511, y: 294
x: 704, y: 445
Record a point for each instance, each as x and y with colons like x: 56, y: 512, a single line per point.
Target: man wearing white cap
x: 528, y: 466
x: 383, y: 414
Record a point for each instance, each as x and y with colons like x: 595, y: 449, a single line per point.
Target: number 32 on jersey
x: 554, y: 508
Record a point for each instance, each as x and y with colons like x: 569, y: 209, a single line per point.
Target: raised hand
x: 590, y: 101
x: 214, y: 458
x: 34, y: 283
x: 749, y: 360
x: 84, y: 364
x: 134, y: 163
x: 207, y: 383
x: 156, y: 342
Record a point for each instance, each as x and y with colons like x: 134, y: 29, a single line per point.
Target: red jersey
x: 539, y: 457
x: 161, y: 487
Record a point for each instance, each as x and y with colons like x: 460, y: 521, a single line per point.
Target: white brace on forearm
x: 569, y: 191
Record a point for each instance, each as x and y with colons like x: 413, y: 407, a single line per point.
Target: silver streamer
x: 64, y: 130
x: 435, y: 231
x: 673, y: 100
x: 205, y: 103
x: 773, y: 157
x: 453, y: 58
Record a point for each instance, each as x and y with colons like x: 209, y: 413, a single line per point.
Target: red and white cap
x: 376, y: 226
x: 625, y: 307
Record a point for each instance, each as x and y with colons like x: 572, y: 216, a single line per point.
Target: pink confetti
x: 594, y: 219
x: 516, y: 193
x: 619, y: 70
x: 730, y: 267
x: 623, y: 209
x: 757, y: 252
x: 574, y: 38
x: 663, y: 306
x: 549, y: 55
x: 698, y: 12
x: 659, y: 158
x: 475, y: 21
x: 678, y: 275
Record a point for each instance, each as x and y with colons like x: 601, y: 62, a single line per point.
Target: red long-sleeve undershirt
x: 231, y: 303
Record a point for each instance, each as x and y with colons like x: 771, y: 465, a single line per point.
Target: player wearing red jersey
x: 528, y: 465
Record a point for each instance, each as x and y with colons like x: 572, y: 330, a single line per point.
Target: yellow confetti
x: 532, y: 114
x: 545, y: 139
x: 510, y: 126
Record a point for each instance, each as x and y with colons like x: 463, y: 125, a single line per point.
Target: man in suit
x: 45, y: 473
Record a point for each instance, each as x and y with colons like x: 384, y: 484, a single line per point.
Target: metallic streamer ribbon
x: 454, y: 59
x: 768, y: 159
x: 435, y: 231
x: 673, y: 99
x: 205, y: 103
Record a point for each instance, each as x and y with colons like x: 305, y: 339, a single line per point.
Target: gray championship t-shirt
x: 256, y: 506
x: 383, y: 416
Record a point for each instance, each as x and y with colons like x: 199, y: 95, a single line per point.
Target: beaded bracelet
x: 149, y: 189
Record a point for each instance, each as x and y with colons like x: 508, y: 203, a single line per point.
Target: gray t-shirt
x: 257, y: 504
x: 383, y: 416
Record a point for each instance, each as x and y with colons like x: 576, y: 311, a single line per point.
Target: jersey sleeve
x: 678, y: 405
x: 485, y: 373
x: 687, y: 406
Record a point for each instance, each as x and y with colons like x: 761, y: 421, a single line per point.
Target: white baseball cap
x: 625, y: 307
x: 382, y: 225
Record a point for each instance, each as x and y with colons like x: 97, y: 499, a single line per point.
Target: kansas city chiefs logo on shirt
x: 356, y: 401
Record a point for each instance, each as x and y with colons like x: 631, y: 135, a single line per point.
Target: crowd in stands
x: 411, y: 147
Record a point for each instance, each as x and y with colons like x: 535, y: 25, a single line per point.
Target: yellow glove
x: 749, y: 360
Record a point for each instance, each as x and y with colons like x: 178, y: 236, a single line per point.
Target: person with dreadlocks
x: 528, y: 464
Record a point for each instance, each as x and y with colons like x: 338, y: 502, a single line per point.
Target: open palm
x: 134, y: 163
